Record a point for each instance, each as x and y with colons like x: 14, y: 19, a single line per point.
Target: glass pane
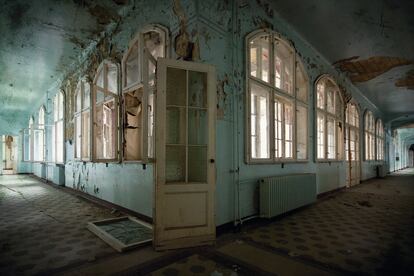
x: 100, y: 96
x: 176, y: 86
x: 197, y: 164
x: 100, y: 78
x: 175, y: 125
x: 59, y: 141
x: 283, y: 66
x: 151, y: 123
x: 338, y: 103
x: 175, y: 167
x: 155, y: 44
x: 151, y: 73
x: 131, y: 66
x: 278, y: 128
x: 197, y: 127
x: 301, y: 84
x: 321, y: 136
x: 85, y: 134
x: 259, y: 57
x: 78, y: 98
x: 60, y: 106
x: 197, y: 89
x: 112, y: 78
x: 330, y: 101
x: 331, y: 138
x: 259, y: 97
x: 320, y: 94
x: 109, y: 128
x: 55, y: 108
x: 78, y: 136
x: 133, y: 125
x: 288, y: 116
x: 86, y: 95
x: 301, y: 132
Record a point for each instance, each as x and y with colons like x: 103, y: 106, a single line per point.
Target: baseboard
x: 328, y: 193
x: 95, y: 200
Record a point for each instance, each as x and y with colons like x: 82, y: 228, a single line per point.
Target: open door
x: 185, y: 155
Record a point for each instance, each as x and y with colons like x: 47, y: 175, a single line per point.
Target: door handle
x: 212, y: 160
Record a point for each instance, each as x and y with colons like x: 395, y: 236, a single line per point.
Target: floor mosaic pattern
x: 43, y: 229
x: 359, y: 230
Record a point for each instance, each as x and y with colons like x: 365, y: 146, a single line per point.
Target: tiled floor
x: 44, y: 229
x: 366, y: 230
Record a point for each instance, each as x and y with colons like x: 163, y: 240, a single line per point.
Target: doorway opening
x: 9, y: 154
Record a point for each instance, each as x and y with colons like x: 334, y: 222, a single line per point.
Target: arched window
x: 28, y: 156
x: 380, y: 139
x: 58, y: 125
x: 82, y: 120
x: 106, y: 102
x: 369, y: 129
x: 138, y: 67
x: 329, y: 110
x: 276, y: 100
x: 352, y: 133
x: 39, y: 135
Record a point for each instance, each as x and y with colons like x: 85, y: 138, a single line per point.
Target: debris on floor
x: 365, y: 203
x: 122, y: 233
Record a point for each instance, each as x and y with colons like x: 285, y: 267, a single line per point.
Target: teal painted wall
x: 219, y: 29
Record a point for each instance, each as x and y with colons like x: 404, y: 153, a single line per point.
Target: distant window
x: 106, y: 103
x: 369, y: 129
x: 29, y: 139
x: 380, y: 139
x: 277, y: 108
x: 38, y: 136
x: 82, y: 120
x: 138, y: 92
x: 58, y: 124
x: 352, y: 144
x: 329, y: 108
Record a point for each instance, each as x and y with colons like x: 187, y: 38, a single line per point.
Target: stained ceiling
x: 371, y: 41
x: 39, y: 40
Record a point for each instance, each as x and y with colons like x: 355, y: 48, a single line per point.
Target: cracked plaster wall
x: 211, y: 32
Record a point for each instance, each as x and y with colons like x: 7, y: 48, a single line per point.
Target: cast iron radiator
x: 280, y: 194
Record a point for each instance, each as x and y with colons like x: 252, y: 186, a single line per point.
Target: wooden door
x: 185, y: 155
x: 353, y: 156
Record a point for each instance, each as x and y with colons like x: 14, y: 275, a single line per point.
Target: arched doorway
x: 352, y: 145
x: 9, y: 155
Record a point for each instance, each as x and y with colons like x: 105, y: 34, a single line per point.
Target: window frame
x: 275, y: 92
x: 338, y: 117
x: 41, y: 126
x: 60, y: 93
x: 379, y: 137
x: 356, y: 128
x: 116, y: 96
x: 81, y: 83
x: 142, y: 83
x: 368, y: 149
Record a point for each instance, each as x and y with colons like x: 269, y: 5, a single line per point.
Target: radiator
x: 280, y: 194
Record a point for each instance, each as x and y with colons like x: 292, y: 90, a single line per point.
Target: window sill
x: 275, y: 162
x: 329, y: 161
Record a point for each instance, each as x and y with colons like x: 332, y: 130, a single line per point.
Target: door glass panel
x: 176, y: 125
x: 175, y: 167
x: 197, y: 164
x: 197, y: 85
x: 176, y: 86
x: 197, y: 127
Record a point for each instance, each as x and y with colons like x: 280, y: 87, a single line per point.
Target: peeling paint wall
x: 211, y: 32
